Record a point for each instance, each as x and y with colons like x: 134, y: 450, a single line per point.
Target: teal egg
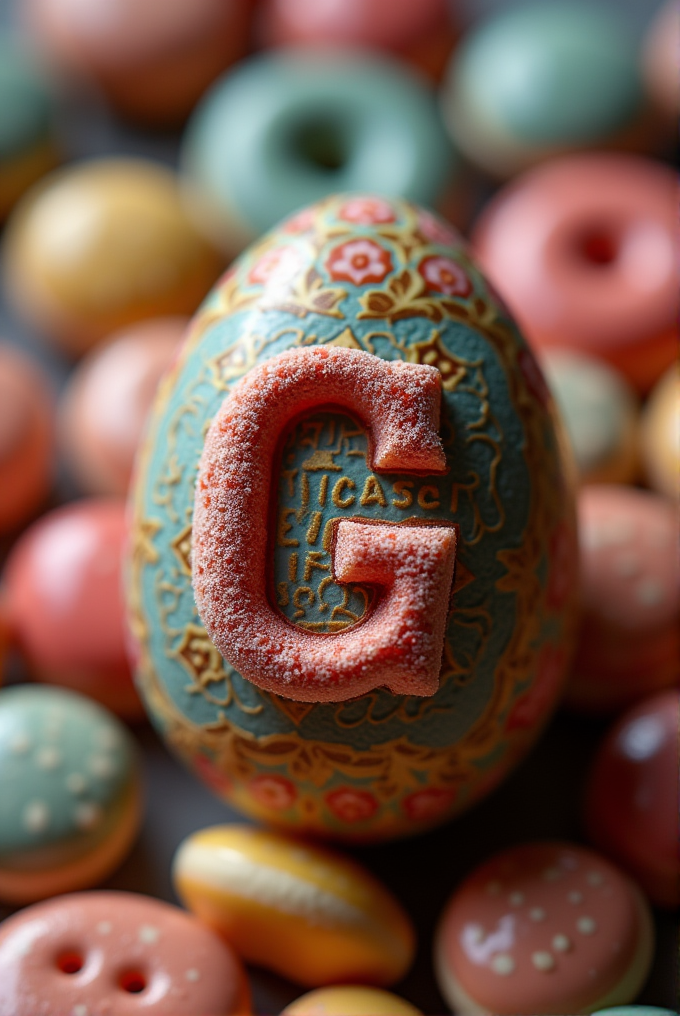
x: 389, y: 278
x: 291, y: 126
x: 541, y: 78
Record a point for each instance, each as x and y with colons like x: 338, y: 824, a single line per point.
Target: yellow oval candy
x: 309, y: 914
x: 98, y: 246
x: 350, y: 1000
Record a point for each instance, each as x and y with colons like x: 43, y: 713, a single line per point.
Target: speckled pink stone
x: 119, y: 939
x: 629, y: 642
x: 542, y: 928
x: 399, y: 404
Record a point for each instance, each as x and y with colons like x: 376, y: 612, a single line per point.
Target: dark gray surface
x: 542, y: 800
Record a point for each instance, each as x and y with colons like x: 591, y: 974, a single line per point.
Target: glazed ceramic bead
x: 421, y: 34
x: 538, y: 80
x: 152, y: 60
x: 281, y: 704
x: 660, y: 435
x: 349, y: 1000
x: 28, y: 145
x: 101, y: 245
x: 543, y: 928
x: 313, y: 916
x: 309, y: 124
x: 104, y: 407
x: 583, y: 249
x: 600, y: 413
x: 632, y: 802
x: 115, y: 952
x: 69, y: 793
x: 629, y: 641
x: 25, y: 437
x: 63, y: 588
x: 659, y: 59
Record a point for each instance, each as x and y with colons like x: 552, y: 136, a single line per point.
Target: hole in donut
x: 132, y: 981
x: 320, y: 142
x: 598, y: 246
x: 70, y: 962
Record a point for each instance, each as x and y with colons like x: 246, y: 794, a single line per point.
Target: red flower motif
x: 367, y: 211
x: 359, y: 262
x: 351, y: 805
x: 275, y: 792
x: 532, y: 707
x: 428, y: 803
x: 444, y: 276
x: 437, y: 231
x: 276, y: 266
x: 533, y: 375
x: 206, y: 769
x: 299, y: 223
x: 562, y: 554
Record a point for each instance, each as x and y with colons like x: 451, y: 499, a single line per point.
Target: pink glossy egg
x: 153, y: 59
x: 25, y: 437
x: 629, y: 640
x: 632, y: 802
x: 63, y: 589
x: 104, y: 408
x: 422, y: 32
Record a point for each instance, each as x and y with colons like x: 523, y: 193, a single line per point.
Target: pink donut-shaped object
x: 584, y: 250
x: 87, y: 954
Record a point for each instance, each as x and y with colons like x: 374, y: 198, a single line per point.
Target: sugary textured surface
x: 632, y: 804
x: 629, y: 641
x: 25, y: 437
x: 584, y: 249
x: 381, y: 276
x: 399, y: 645
x: 99, y: 953
x: 69, y: 792
x: 543, y: 928
x: 314, y: 916
x: 349, y: 1000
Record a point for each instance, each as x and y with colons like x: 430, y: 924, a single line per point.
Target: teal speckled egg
x: 390, y: 279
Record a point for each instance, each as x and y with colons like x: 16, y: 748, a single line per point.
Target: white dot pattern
x: 543, y: 961
x: 537, y: 914
x: 36, y: 817
x: 148, y: 934
x: 503, y: 964
x: 586, y: 925
x: 193, y: 974
x: 561, y: 943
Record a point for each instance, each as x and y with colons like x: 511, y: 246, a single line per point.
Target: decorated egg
x: 352, y: 550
